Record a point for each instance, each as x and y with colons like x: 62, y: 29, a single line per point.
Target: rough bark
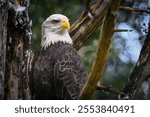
x: 141, y: 71
x: 88, y: 22
x: 18, y: 40
x: 3, y: 38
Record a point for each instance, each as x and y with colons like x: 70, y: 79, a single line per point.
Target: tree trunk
x: 3, y: 38
x: 141, y: 71
x: 18, y: 39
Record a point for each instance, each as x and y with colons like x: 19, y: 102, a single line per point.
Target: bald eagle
x: 57, y: 69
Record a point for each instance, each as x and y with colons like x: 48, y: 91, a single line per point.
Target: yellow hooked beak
x: 65, y: 24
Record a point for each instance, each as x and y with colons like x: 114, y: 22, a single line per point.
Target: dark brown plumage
x: 57, y: 69
x: 58, y: 73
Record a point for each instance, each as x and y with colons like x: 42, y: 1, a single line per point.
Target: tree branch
x: 85, y: 25
x: 102, y: 51
x: 109, y: 89
x: 135, y: 9
x: 121, y: 30
x: 141, y: 71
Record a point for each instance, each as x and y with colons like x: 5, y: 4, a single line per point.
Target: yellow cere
x: 65, y: 24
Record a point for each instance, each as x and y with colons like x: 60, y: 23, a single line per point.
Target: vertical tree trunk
x: 3, y: 38
x: 141, y: 71
x: 14, y: 72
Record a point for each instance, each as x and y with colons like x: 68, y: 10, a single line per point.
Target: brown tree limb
x: 135, y: 9
x: 141, y: 71
x: 85, y: 25
x: 102, y: 51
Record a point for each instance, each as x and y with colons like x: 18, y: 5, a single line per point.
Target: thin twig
x: 110, y: 90
x: 88, y: 4
x: 135, y: 9
x: 122, y: 30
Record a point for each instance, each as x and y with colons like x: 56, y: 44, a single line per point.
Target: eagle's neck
x: 51, y: 38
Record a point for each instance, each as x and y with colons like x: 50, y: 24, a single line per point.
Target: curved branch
x: 86, y: 25
x: 102, y: 51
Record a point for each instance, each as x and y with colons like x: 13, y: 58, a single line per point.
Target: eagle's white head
x: 55, y: 29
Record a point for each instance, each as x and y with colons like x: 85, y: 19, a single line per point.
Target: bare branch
x: 88, y: 5
x: 135, y: 9
x: 102, y: 51
x: 122, y: 30
x: 85, y: 25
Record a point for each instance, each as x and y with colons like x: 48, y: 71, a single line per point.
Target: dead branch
x: 122, y: 30
x: 135, y: 9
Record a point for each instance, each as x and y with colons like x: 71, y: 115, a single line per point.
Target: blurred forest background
x: 125, y: 48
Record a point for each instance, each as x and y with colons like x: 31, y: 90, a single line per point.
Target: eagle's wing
x: 69, y: 75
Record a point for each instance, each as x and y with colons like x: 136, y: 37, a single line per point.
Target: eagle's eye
x: 55, y: 21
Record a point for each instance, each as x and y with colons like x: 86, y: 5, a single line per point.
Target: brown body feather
x: 57, y: 73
